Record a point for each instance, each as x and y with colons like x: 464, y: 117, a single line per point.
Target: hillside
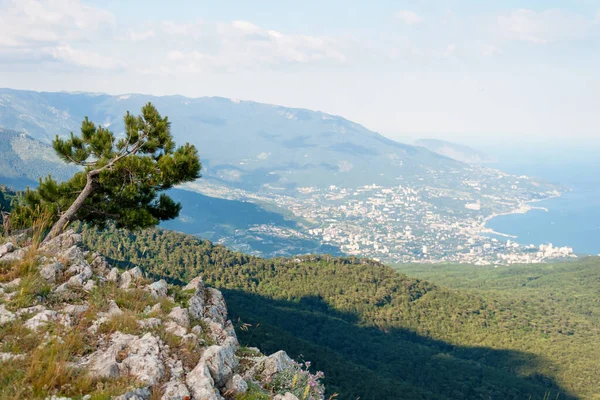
x: 245, y: 144
x: 375, y: 332
x: 72, y: 326
x: 455, y: 151
x: 23, y: 160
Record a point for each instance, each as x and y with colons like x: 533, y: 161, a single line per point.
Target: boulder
x: 113, y: 276
x: 180, y: 316
x: 201, y: 383
x: 50, y: 271
x: 175, y: 389
x: 158, y: 289
x: 41, y: 319
x: 6, y: 248
x: 221, y: 362
x: 269, y: 366
x: 144, y: 359
x: 62, y: 242
x: 236, y: 385
x: 130, y: 276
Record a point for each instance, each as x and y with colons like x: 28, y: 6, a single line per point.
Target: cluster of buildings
x: 408, y: 223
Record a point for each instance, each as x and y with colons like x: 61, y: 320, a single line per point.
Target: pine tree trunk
x: 68, y: 216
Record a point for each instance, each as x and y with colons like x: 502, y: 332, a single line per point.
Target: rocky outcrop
x: 138, y: 332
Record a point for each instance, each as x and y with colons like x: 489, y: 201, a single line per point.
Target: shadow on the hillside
x: 374, y: 365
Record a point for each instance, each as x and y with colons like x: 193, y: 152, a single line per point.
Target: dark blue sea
x: 572, y: 219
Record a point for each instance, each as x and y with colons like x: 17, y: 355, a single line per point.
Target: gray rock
x: 201, y: 383
x: 216, y: 309
x: 113, y: 276
x: 196, y: 306
x: 269, y: 366
x: 175, y: 329
x: 74, y: 254
x: 144, y: 359
x: 62, y: 242
x: 149, y: 323
x: 180, y: 316
x: 136, y: 394
x: 130, y: 276
x: 16, y: 255
x: 75, y: 309
x: 50, y: 271
x: 5, y: 315
x: 30, y: 310
x: 90, y: 285
x: 195, y: 284
x: 236, y: 385
x: 103, y: 363
x: 221, y: 362
x: 6, y: 248
x: 158, y: 289
x: 287, y: 396
x: 10, y: 356
x: 41, y: 319
x: 175, y: 389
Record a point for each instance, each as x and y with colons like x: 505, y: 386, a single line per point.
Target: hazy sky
x: 456, y: 69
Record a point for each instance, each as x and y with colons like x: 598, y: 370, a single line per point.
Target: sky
x: 474, y: 71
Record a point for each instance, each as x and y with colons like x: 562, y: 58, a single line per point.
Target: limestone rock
x: 269, y: 366
x: 62, y: 242
x: 113, y: 276
x: 175, y: 389
x: 90, y: 285
x: 136, y: 394
x: 201, y: 383
x: 158, y: 289
x: 6, y: 248
x: 149, y: 323
x: 216, y: 309
x: 16, y: 255
x: 74, y: 254
x: 5, y: 315
x: 41, y: 319
x: 103, y: 363
x: 130, y: 276
x: 144, y: 360
x: 196, y: 306
x: 180, y: 316
x: 221, y: 362
x: 287, y: 396
x: 236, y: 385
x: 10, y: 356
x: 195, y: 284
x: 50, y: 271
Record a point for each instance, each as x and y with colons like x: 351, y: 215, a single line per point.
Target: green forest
x: 380, y: 334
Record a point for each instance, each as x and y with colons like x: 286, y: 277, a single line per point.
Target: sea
x: 572, y: 219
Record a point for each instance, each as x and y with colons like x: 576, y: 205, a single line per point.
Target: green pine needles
x: 121, y: 181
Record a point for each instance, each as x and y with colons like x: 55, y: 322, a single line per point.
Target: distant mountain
x: 242, y: 143
x: 23, y: 160
x: 455, y: 151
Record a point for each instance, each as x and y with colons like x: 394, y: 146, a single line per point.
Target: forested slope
x: 376, y: 333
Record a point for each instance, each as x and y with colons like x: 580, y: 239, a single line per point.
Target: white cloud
x: 83, y: 58
x: 37, y: 30
x: 27, y: 22
x: 409, y: 17
x: 138, y: 36
x: 241, y: 44
x: 544, y: 27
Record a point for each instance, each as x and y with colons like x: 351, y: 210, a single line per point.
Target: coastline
x: 523, y: 208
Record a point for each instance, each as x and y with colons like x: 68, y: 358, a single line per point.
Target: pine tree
x: 121, y: 179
